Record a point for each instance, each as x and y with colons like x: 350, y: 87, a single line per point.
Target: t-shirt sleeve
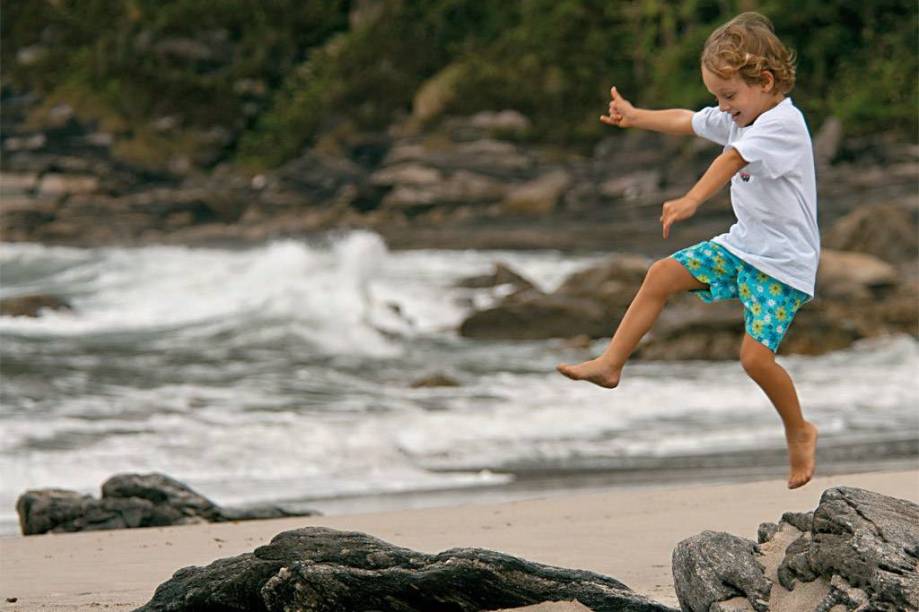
x: 712, y: 124
x: 774, y: 143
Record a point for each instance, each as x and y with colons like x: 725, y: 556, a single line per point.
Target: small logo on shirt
x: 745, y: 177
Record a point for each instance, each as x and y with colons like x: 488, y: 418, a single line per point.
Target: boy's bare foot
x: 802, y: 450
x: 597, y: 371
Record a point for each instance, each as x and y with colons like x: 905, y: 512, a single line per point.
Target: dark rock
x: 691, y: 329
x: 536, y: 316
x: 257, y: 512
x: 321, y: 569
x: 129, y: 501
x: 622, y: 273
x: 795, y: 564
x: 502, y: 275
x: 713, y: 567
x: 31, y: 305
x: 802, y: 521
x: 435, y: 380
x: 868, y: 539
x: 318, y: 177
x: 589, y: 302
x: 160, y: 489
x: 42, y: 511
x: 766, y: 532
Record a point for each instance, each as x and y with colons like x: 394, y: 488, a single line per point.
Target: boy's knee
x: 756, y: 361
x: 660, y: 276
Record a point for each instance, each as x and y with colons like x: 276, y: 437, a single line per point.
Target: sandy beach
x: 626, y: 534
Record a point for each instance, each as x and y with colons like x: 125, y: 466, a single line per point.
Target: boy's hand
x: 677, y: 210
x: 621, y: 111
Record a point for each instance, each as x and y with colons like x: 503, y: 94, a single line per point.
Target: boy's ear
x: 767, y: 81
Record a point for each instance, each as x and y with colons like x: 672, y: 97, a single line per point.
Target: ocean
x: 283, y: 373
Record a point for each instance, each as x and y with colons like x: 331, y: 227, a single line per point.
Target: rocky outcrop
x: 859, y: 296
x: 130, y: 500
x: 858, y: 550
x: 588, y: 303
x: 317, y: 568
x: 865, y: 541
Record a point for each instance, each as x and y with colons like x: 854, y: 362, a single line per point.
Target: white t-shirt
x: 774, y: 196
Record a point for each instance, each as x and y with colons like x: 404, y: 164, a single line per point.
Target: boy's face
x: 745, y: 102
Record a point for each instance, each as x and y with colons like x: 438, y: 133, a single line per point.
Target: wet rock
x: 256, y: 512
x: 435, y: 380
x: 589, y: 302
x: 502, y: 275
x: 714, y: 567
x: 621, y: 273
x: 160, y: 489
x: 690, y: 329
x: 128, y: 501
x: 532, y: 316
x: 43, y: 511
x: 317, y: 568
x: 31, y: 305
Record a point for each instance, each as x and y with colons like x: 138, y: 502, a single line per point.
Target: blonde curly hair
x: 747, y: 45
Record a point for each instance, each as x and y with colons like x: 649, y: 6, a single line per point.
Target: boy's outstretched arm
x: 719, y: 172
x: 623, y: 114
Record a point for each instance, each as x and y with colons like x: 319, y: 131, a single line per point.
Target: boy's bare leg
x: 665, y: 278
x: 800, y: 435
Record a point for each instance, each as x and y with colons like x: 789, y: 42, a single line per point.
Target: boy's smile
x: 743, y: 101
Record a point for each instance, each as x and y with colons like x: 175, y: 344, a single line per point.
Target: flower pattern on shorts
x: 769, y: 304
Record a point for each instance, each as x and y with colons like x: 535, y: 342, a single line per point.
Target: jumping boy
x: 768, y: 259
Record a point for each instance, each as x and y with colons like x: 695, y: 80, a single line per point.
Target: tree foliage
x: 553, y: 60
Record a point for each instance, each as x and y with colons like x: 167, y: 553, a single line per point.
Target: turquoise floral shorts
x: 769, y: 304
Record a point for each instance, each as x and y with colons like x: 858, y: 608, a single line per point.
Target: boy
x: 768, y: 259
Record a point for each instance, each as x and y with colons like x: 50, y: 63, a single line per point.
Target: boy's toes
x: 796, y: 482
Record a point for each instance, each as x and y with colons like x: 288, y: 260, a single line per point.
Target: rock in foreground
x: 321, y: 569
x: 129, y: 500
x: 858, y: 550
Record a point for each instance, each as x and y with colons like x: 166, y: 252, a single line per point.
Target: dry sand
x: 626, y: 534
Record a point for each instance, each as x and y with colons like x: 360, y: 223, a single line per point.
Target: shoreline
x: 627, y: 534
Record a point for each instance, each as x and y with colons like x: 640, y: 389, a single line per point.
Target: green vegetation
x: 280, y: 73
